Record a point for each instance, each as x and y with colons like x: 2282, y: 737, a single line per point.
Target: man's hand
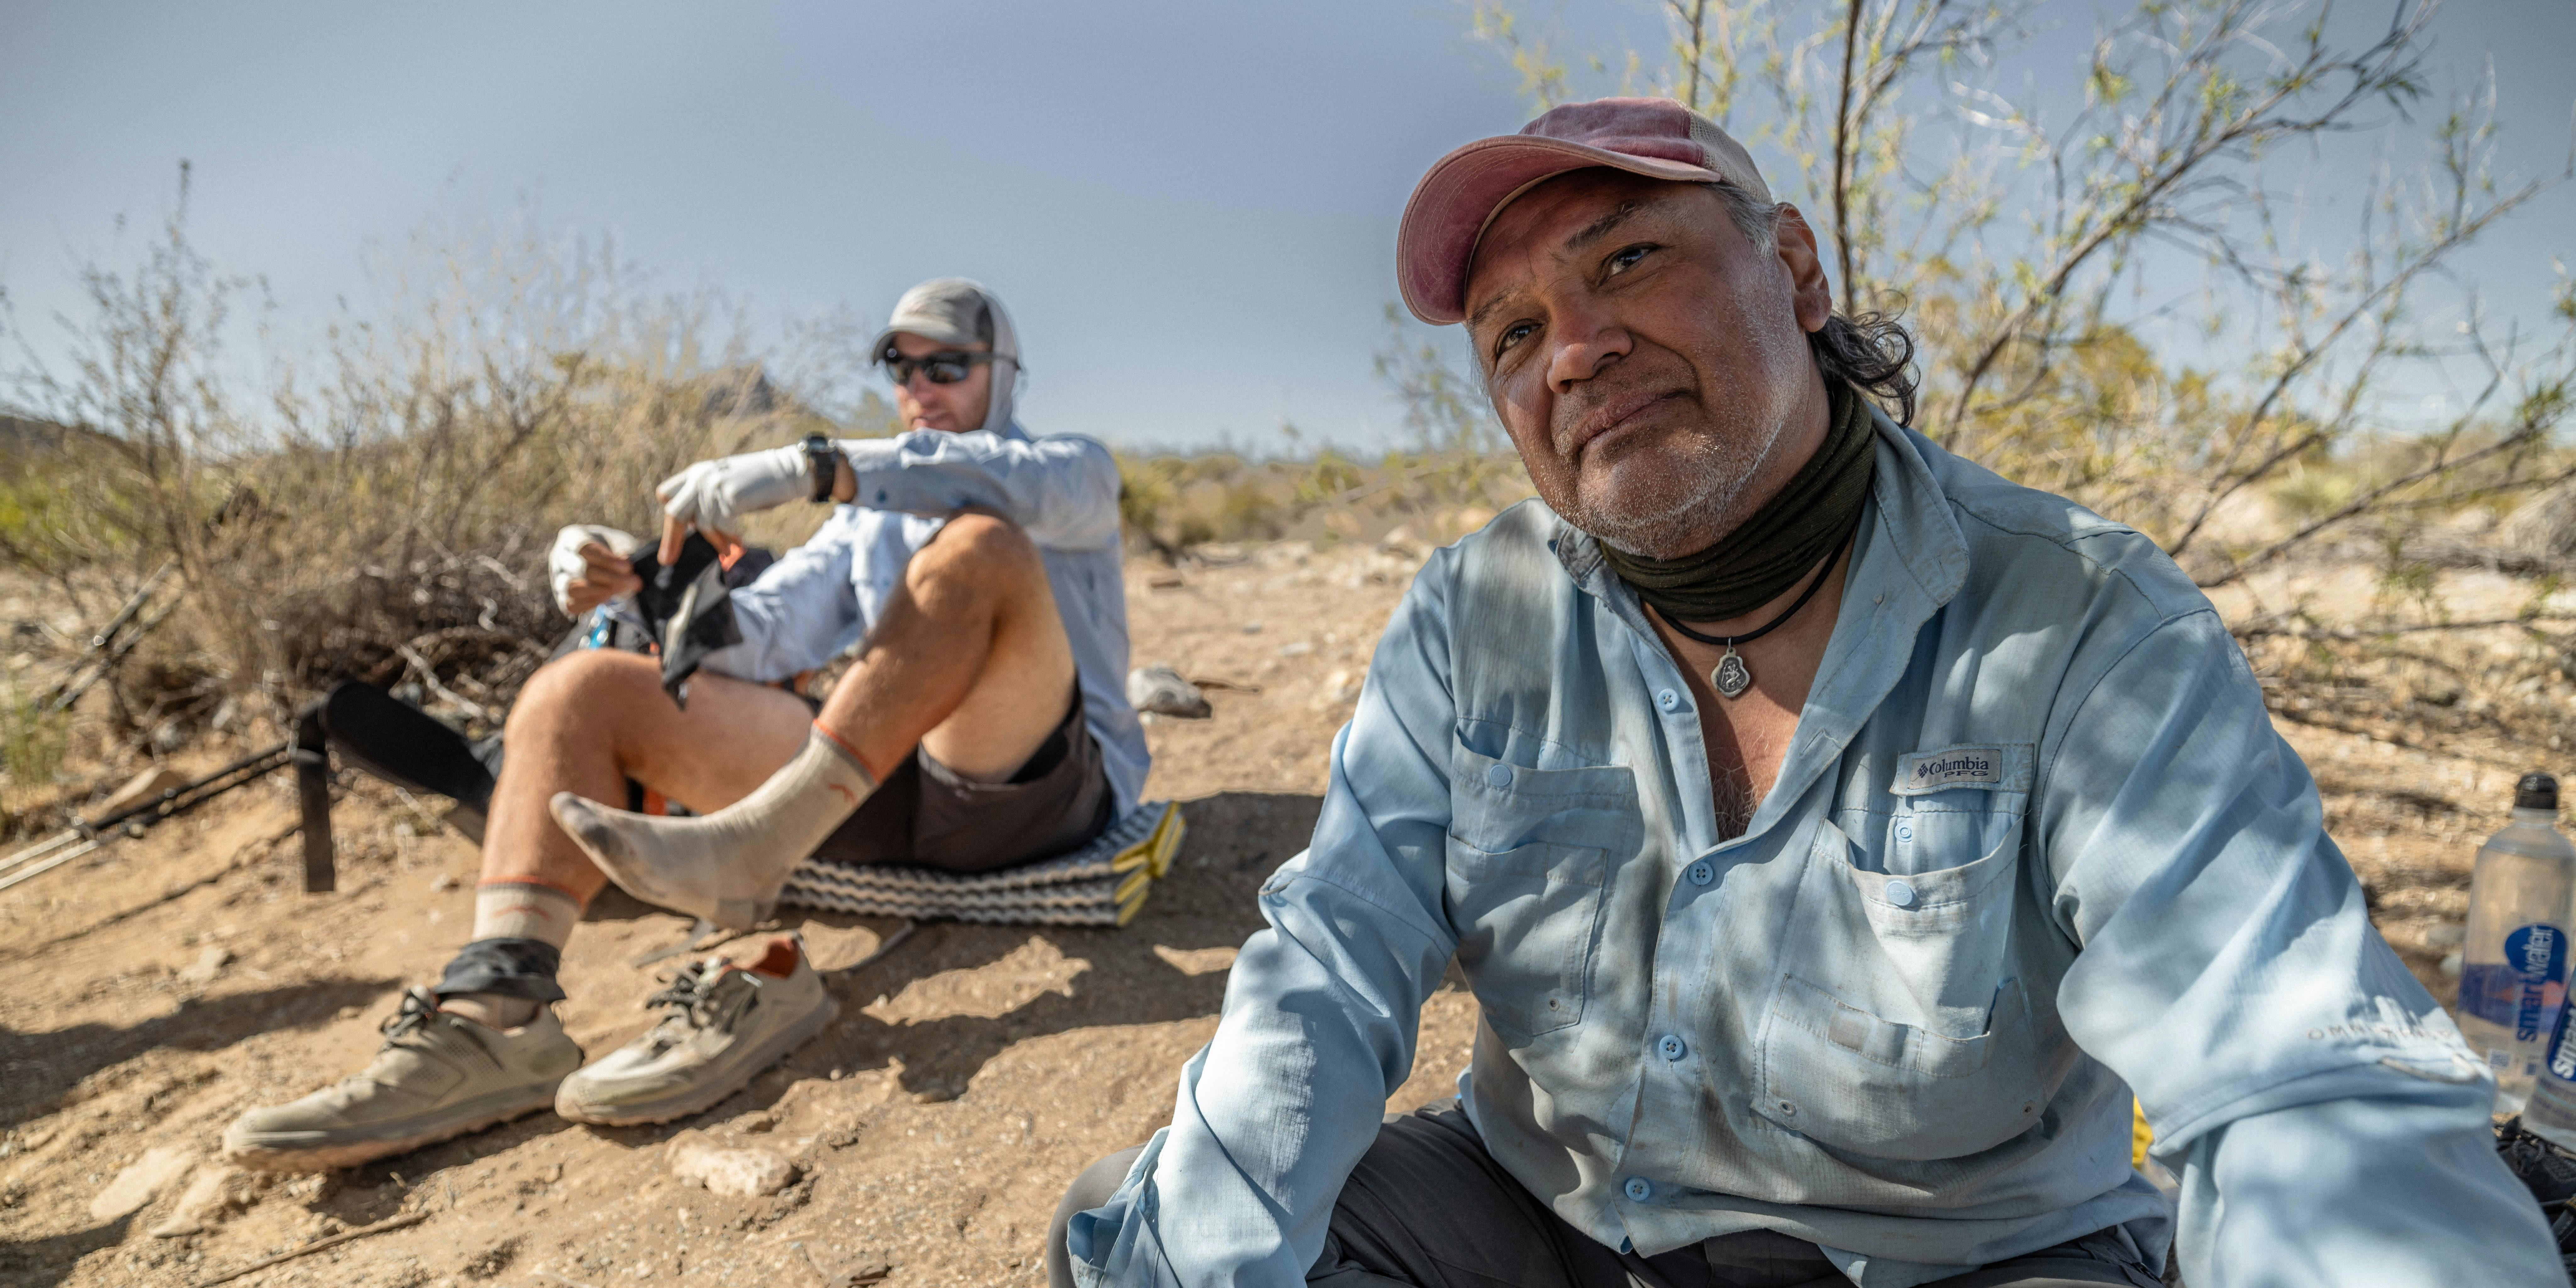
x: 587, y: 569
x: 713, y: 496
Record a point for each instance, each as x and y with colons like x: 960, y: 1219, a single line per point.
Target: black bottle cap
x: 2536, y: 791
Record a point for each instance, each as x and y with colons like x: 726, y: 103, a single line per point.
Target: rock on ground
x: 141, y: 1181
x: 728, y: 1170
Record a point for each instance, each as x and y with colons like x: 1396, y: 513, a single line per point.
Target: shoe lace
x: 693, y: 1001
x: 409, y: 1026
x: 411, y: 1019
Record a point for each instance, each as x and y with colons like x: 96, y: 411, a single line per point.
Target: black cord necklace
x: 1731, y: 677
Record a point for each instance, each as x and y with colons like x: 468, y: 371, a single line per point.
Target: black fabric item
x: 1427, y: 1207
x: 396, y: 742
x: 509, y: 967
x: 1781, y: 542
x: 2544, y: 1169
x: 926, y: 814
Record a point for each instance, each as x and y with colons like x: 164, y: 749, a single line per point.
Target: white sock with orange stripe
x: 507, y: 909
x: 728, y: 866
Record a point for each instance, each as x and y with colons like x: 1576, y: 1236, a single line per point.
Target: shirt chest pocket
x: 1530, y: 854
x: 1896, y: 1027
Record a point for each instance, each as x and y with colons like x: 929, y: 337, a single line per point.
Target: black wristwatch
x: 824, y: 461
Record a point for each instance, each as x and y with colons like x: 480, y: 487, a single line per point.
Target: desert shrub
x: 397, y: 485
x: 32, y: 738
x: 2022, y: 223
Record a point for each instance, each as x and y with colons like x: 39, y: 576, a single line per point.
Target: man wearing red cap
x: 1836, y: 837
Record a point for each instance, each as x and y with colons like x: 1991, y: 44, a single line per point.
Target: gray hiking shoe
x: 726, y: 1023
x: 437, y: 1076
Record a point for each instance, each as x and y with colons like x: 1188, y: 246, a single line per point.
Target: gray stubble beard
x: 1688, y: 510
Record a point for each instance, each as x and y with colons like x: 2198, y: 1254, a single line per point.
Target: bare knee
x: 974, y: 553
x: 579, y: 689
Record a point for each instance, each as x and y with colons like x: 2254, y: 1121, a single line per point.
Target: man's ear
x: 1813, y: 296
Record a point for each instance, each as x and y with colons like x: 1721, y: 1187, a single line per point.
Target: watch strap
x: 822, y: 460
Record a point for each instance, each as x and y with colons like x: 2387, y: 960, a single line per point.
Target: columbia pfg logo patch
x: 1994, y: 767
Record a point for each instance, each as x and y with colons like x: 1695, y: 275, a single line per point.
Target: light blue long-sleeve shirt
x: 2036, y: 846
x: 822, y: 597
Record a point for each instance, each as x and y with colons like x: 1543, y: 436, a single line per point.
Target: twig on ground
x: 388, y: 1224
x: 429, y: 679
x: 884, y: 946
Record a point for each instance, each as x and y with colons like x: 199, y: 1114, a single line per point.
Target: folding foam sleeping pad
x: 1102, y: 883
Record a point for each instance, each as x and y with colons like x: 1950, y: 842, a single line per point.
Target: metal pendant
x: 1730, y: 677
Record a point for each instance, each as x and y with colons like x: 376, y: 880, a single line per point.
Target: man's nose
x: 1587, y: 344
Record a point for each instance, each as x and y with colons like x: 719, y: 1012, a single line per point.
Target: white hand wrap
x: 714, y: 495
x: 564, y: 564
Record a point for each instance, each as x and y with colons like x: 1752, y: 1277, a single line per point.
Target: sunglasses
x: 946, y: 367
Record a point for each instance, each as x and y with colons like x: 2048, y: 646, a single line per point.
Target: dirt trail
x: 974, y: 1070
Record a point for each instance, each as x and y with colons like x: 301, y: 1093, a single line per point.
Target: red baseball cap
x: 1464, y: 190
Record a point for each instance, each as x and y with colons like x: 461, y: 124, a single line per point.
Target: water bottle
x: 2551, y: 1114
x: 2513, y: 976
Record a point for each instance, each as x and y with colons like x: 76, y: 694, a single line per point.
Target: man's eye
x: 1626, y: 258
x: 1513, y: 334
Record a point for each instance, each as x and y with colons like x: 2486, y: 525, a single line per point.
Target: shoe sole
x: 700, y: 1099
x: 351, y: 1153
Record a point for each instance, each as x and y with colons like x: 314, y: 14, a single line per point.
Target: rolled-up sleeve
x: 2329, y: 1124
x: 1061, y: 490
x: 800, y: 612
x: 1322, y: 1008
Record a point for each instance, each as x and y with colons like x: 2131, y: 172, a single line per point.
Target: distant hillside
x: 23, y: 440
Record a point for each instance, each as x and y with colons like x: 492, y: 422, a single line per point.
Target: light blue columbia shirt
x: 2036, y: 846
x: 822, y: 597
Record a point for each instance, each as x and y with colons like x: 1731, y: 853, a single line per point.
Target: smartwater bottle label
x: 2523, y: 991
x: 2561, y: 1058
x: 2539, y: 954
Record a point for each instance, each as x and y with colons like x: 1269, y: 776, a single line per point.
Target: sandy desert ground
x: 152, y: 995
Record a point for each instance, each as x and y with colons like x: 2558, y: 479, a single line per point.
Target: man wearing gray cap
x: 1836, y: 837
x: 985, y: 725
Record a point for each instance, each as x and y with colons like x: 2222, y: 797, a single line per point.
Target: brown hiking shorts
x: 927, y: 815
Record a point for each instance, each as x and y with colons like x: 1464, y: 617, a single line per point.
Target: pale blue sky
x: 1189, y: 207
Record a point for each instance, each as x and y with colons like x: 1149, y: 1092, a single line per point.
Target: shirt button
x: 1498, y: 775
x: 1788, y: 1110
x: 1900, y: 894
x: 1671, y: 1047
x: 1701, y: 873
x: 1905, y: 831
x: 1668, y: 700
x: 1638, y: 1189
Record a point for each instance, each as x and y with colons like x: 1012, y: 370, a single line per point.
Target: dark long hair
x: 1873, y: 352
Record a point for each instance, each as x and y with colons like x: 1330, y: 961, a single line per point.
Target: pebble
x: 142, y: 1179
x: 213, y: 1191
x: 209, y: 964
x: 739, y: 1171
x: 444, y: 882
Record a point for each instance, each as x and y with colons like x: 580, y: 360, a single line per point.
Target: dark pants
x: 1427, y: 1207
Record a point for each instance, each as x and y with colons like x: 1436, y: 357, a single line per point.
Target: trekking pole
x: 84, y: 836
x: 62, y: 694
x: 68, y: 693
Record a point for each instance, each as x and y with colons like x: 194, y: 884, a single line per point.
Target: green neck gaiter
x: 1769, y: 552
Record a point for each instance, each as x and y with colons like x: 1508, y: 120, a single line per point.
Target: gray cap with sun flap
x: 959, y: 311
